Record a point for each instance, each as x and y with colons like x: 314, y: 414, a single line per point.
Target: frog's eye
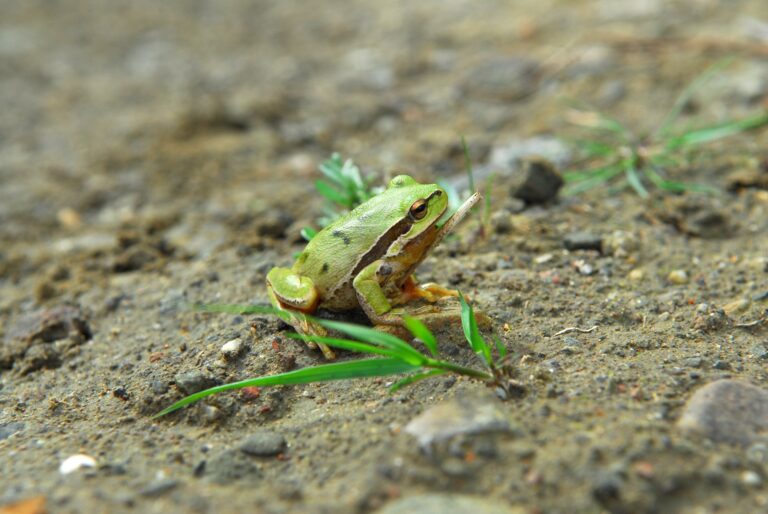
x: 418, y: 210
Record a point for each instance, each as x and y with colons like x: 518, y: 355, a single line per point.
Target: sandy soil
x: 154, y: 154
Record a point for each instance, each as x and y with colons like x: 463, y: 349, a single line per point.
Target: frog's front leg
x: 371, y: 297
x: 290, y: 292
x: 430, y: 291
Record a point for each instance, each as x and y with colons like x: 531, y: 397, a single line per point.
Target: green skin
x: 364, y: 258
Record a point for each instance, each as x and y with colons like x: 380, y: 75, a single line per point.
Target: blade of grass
x: 602, y: 176
x: 472, y: 332
x: 328, y: 191
x: 416, y: 378
x: 308, y: 233
x: 320, y: 373
x: 468, y: 165
x: 404, y: 351
x: 715, y: 132
x: 345, y: 344
x: 633, y: 177
x: 420, y: 330
x: 687, y: 93
x: 500, y: 348
x: 331, y: 168
x: 675, y: 186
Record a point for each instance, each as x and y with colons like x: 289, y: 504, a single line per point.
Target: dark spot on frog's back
x: 325, y: 268
x: 341, y: 235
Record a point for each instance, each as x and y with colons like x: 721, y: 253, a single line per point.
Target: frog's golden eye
x: 418, y: 210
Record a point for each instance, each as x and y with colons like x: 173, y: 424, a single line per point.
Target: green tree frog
x: 366, y: 258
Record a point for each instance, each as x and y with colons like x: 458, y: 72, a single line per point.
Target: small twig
x: 750, y: 323
x: 575, y: 329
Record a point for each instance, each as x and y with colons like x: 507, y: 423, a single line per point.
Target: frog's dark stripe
x: 325, y: 268
x: 376, y: 251
x: 344, y: 237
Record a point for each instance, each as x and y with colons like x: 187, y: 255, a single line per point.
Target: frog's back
x: 339, y: 251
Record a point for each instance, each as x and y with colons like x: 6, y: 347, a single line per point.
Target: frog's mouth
x: 457, y: 216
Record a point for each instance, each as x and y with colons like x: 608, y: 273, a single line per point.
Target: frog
x: 366, y: 259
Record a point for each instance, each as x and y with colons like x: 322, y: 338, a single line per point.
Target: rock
x: 76, y: 462
x: 758, y: 351
x: 447, y: 503
x: 636, y: 275
x: 232, y: 348
x: 40, y: 356
x: 677, y: 277
x: 8, y: 429
x: 620, y: 244
x: 502, y: 78
x: 461, y: 416
x: 583, y: 241
x: 159, y: 487
x: 537, y: 181
x: 274, y: 223
x: 509, y: 155
x: 727, y: 411
x: 190, y: 382
x: 231, y: 465
x: 50, y: 325
x: 736, y: 306
x: 263, y: 444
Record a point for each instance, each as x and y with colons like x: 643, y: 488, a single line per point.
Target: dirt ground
x: 154, y: 154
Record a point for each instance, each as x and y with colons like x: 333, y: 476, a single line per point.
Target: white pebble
x: 232, y: 348
x: 751, y: 478
x: 75, y: 462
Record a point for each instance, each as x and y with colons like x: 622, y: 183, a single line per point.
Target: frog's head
x: 420, y: 206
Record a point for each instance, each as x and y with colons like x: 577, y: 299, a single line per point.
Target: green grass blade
x: 715, y: 132
x: 404, y: 351
x: 308, y: 233
x: 331, y: 168
x: 468, y: 165
x: 321, y: 373
x: 687, y: 93
x: 416, y: 378
x: 600, y: 177
x: 420, y: 330
x: 591, y: 148
x: 331, y: 194
x: 500, y: 348
x: 472, y: 332
x: 633, y: 178
x: 346, y: 344
x: 675, y: 186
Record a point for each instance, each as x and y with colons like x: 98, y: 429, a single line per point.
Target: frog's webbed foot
x: 296, y: 296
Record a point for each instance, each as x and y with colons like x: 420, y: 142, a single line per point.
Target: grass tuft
x: 618, y: 156
x: 394, y: 356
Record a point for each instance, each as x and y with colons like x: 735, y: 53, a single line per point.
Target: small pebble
x: 721, y: 365
x: 759, y: 351
x: 263, y: 444
x: 232, y: 348
x: 678, y: 277
x: 194, y: 381
x: 636, y: 275
x: 736, y: 306
x: 76, y: 462
x: 159, y: 488
x: 751, y: 478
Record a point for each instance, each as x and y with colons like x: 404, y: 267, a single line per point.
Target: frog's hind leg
x: 296, y: 295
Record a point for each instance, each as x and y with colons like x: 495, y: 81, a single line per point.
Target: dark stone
x: 40, y: 356
x: 191, y: 382
x: 263, y: 444
x: 537, y: 181
x: 727, y: 411
x: 583, y: 241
